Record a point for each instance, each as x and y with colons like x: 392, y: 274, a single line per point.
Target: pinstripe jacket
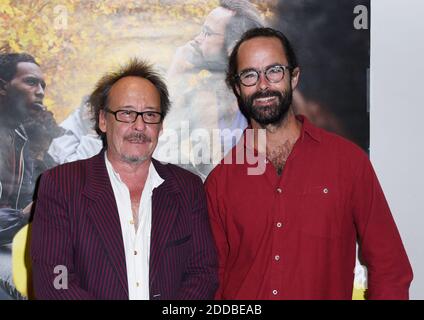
x: 77, y: 249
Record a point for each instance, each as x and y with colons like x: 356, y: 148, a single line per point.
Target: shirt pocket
x: 320, y: 212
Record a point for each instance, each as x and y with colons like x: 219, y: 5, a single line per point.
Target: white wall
x: 397, y: 119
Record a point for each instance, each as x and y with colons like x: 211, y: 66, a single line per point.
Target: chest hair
x: 278, y: 156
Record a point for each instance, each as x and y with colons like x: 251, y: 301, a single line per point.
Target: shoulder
x: 334, y: 144
x: 180, y: 176
x: 329, y: 143
x: 187, y: 186
x: 339, y: 154
x: 230, y: 168
x: 72, y: 173
x: 71, y: 169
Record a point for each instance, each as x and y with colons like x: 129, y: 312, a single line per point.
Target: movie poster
x: 75, y: 42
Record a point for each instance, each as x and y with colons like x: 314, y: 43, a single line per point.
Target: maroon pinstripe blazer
x: 76, y: 225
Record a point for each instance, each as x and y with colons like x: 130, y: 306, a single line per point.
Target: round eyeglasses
x: 273, y: 74
x: 130, y: 116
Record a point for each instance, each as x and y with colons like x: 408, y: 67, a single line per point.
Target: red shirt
x: 294, y: 236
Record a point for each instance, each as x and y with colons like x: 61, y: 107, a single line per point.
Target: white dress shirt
x: 136, y: 244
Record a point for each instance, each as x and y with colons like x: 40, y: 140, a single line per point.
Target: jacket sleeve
x: 200, y: 278
x: 11, y: 221
x: 54, y: 275
x: 380, y: 245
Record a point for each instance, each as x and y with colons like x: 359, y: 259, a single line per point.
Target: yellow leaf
x: 14, y: 46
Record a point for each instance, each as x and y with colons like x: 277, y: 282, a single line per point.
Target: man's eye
x: 249, y: 75
x: 126, y: 113
x: 31, y: 82
x: 152, y: 115
x: 275, y: 70
x: 204, y: 31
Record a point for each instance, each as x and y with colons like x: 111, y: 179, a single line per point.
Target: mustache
x: 36, y: 108
x: 39, y: 105
x: 266, y: 94
x: 138, y: 137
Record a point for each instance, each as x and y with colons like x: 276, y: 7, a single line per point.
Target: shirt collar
x: 309, y: 129
x: 153, y: 178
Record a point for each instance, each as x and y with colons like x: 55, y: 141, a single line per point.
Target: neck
x: 280, y: 139
x: 8, y: 118
x: 134, y: 175
x: 128, y: 171
x: 279, y: 134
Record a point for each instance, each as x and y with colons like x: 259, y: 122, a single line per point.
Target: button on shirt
x: 294, y: 236
x: 136, y: 244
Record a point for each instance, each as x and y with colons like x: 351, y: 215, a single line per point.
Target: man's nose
x: 199, y: 38
x: 40, y: 91
x: 263, y: 82
x: 139, y: 123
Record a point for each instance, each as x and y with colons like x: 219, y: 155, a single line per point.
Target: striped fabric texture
x: 77, y: 249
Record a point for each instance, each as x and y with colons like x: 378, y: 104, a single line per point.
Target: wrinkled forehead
x: 133, y: 91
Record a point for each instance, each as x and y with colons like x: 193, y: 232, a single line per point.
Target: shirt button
x: 277, y: 257
x: 274, y: 292
x: 279, y: 224
x: 279, y: 190
x: 325, y: 190
x: 137, y: 284
x: 135, y: 252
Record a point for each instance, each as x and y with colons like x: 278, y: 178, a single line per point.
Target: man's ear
x: 295, y: 75
x: 237, y: 88
x: 102, y: 121
x: 3, y: 87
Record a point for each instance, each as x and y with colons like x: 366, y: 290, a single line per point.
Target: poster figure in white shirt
x: 80, y: 140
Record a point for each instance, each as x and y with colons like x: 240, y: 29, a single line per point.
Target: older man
x: 122, y: 225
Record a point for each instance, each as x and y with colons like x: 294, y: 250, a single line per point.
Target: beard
x: 41, y: 128
x: 273, y: 114
x: 17, y: 108
x: 133, y: 159
x: 217, y: 63
x: 136, y: 137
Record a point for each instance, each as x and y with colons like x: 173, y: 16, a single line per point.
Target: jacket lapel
x: 105, y: 217
x: 165, y: 207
